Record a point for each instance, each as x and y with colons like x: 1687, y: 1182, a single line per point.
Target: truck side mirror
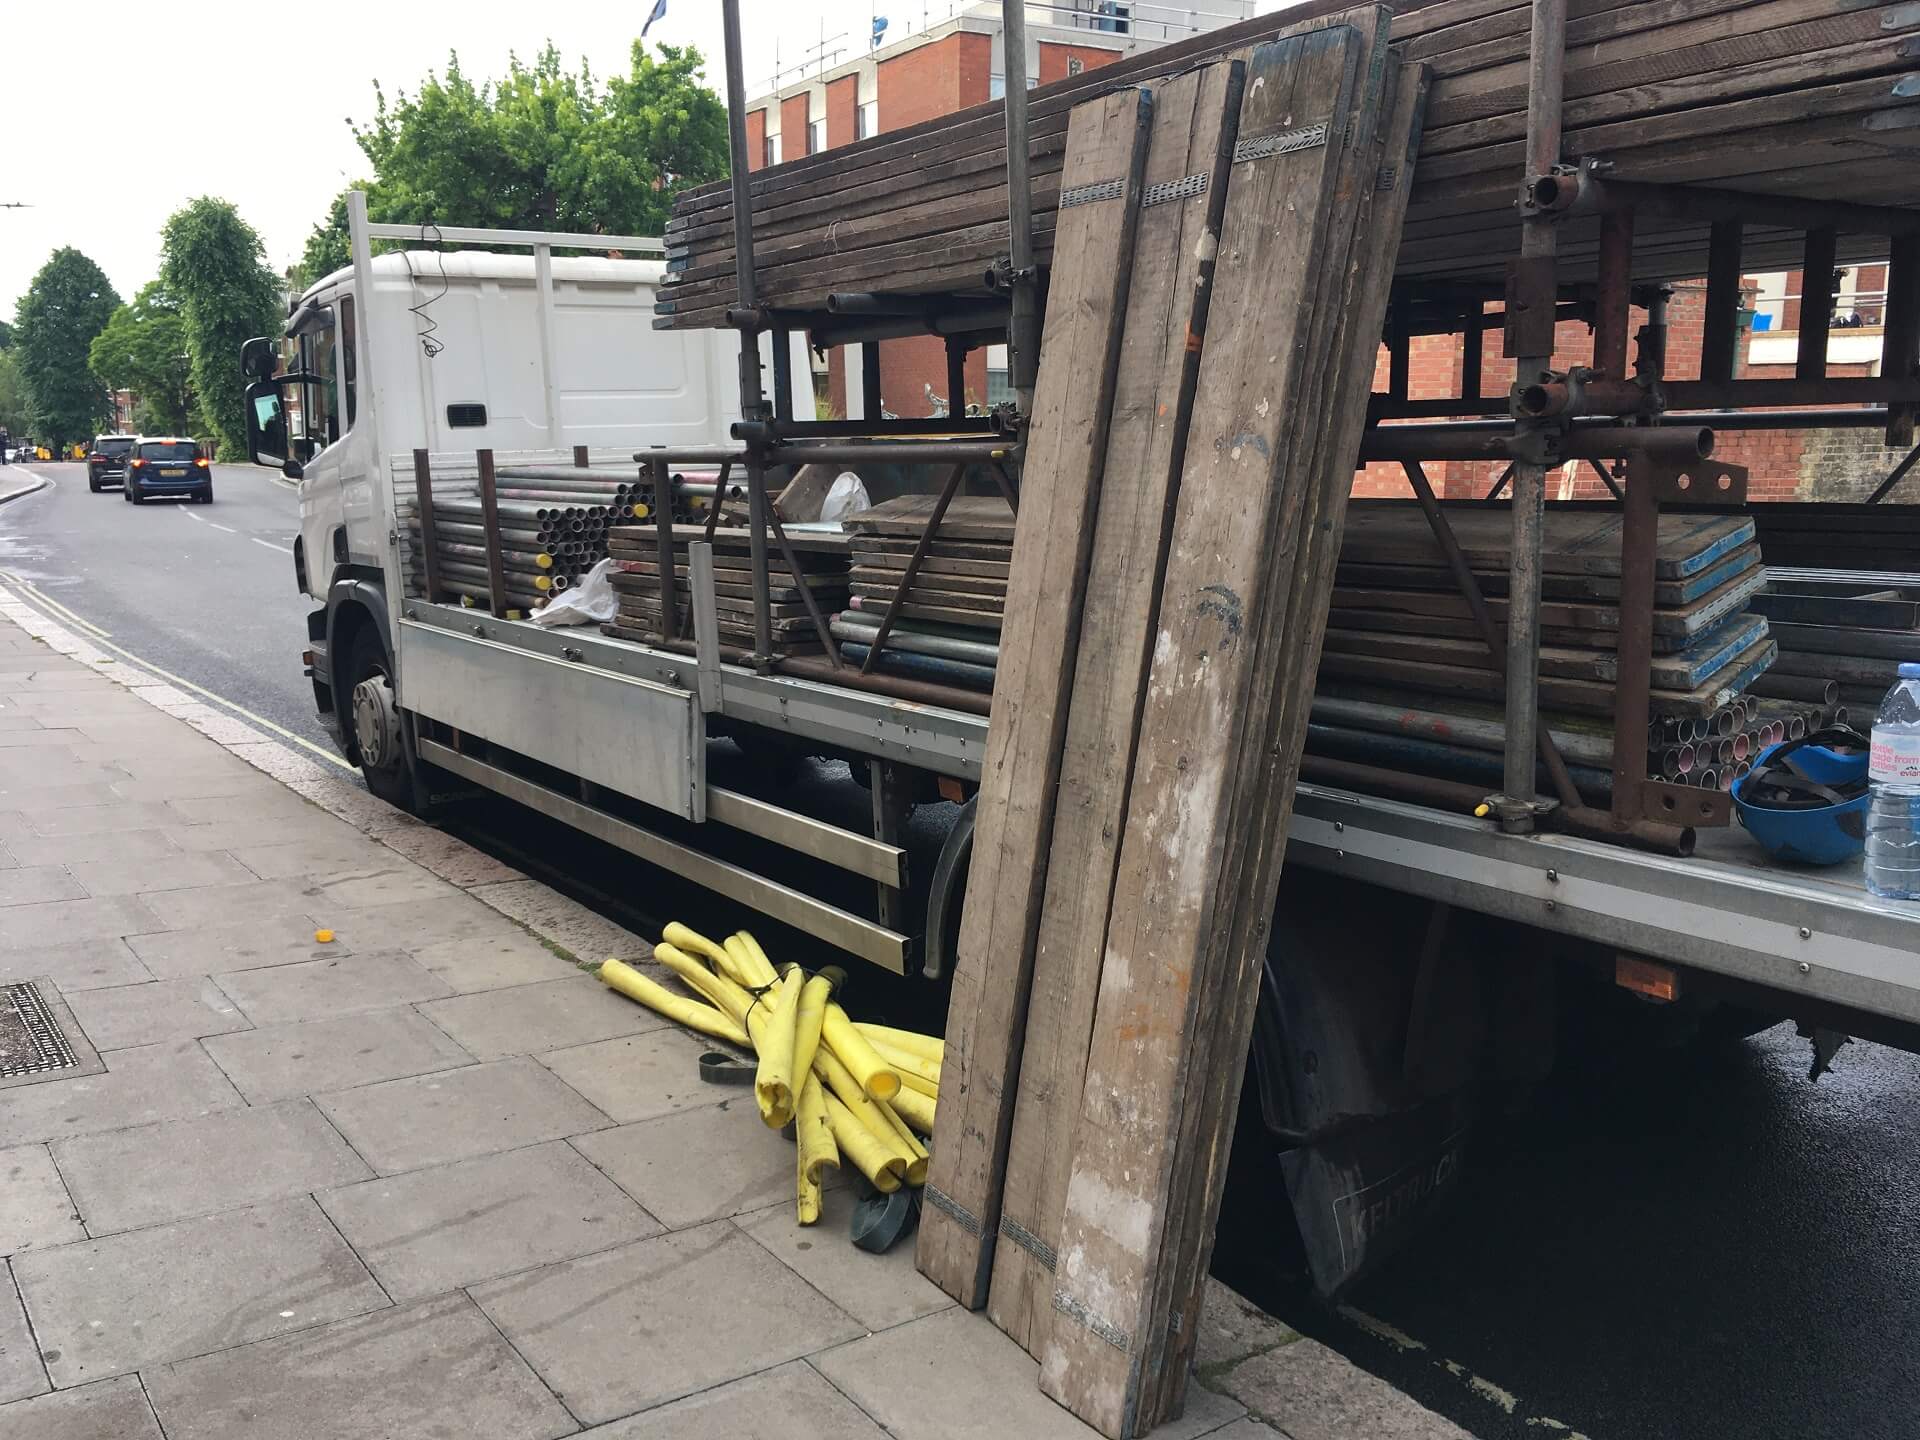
x: 259, y: 358
x: 266, y: 425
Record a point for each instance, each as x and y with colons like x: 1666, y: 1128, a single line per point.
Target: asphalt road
x: 204, y: 592
x: 1662, y: 1247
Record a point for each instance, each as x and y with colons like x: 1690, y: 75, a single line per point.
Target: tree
x: 543, y: 149
x: 13, y: 398
x: 6, y: 336
x: 143, y: 349
x: 67, y: 304
x: 213, y: 264
x: 327, y: 249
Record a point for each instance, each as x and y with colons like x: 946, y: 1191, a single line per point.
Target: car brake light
x: 203, y: 462
x: 136, y: 464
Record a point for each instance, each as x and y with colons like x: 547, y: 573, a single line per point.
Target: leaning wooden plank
x: 1106, y: 159
x: 1196, y: 119
x: 1236, y: 485
x: 1289, y: 637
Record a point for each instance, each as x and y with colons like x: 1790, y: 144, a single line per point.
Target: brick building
x: 1783, y: 464
x: 951, y: 65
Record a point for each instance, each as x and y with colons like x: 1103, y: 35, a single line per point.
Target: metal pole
x: 753, y: 407
x: 1539, y: 243
x: 490, y: 509
x: 429, y: 531
x: 1023, y: 332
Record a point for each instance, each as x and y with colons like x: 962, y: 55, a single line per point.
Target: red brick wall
x: 843, y: 106
x: 756, y: 137
x: 1054, y: 59
x: 793, y: 126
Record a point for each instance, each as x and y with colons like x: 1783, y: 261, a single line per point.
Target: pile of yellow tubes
x: 862, y: 1092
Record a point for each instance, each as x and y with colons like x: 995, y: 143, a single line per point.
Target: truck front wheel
x: 376, y: 726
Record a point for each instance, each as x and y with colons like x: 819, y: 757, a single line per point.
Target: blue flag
x: 659, y: 12
x: 879, y: 29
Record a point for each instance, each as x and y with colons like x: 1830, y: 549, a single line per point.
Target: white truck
x: 1425, y: 950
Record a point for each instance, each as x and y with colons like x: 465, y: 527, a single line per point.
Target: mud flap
x: 1359, y: 1195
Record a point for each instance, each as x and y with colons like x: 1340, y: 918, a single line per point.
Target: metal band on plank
x: 1279, y: 142
x: 1168, y: 190
x: 1029, y: 1242
x: 953, y: 1208
x: 1088, y: 194
x: 1106, y: 1330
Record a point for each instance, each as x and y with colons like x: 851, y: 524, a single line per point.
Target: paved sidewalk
x: 16, y: 482
x: 431, y: 1178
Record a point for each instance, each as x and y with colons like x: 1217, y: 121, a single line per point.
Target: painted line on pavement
x: 182, y: 510
x: 283, y: 549
x: 218, y: 526
x: 99, y: 637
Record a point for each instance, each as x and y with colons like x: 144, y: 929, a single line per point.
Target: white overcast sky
x: 114, y: 112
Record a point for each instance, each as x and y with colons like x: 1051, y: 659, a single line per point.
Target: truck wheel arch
x: 354, y: 603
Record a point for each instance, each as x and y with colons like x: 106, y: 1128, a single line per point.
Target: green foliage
x: 6, y: 336
x: 542, y: 149
x: 327, y: 249
x: 213, y: 264
x: 13, y: 397
x: 143, y: 349
x: 67, y: 304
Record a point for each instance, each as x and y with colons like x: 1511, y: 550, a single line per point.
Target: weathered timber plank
x: 1060, y: 490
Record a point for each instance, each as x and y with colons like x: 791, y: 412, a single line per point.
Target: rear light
x: 136, y: 464
x: 203, y: 462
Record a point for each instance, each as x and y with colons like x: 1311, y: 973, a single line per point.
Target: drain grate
x: 31, y: 1039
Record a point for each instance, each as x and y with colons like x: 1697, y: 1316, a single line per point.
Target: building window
x: 767, y: 152
x: 866, y: 120
x: 816, y: 136
x: 999, y: 384
x: 1075, y: 65
x: 996, y: 87
x: 773, y: 149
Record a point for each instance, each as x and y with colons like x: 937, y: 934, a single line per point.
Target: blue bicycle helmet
x: 1806, y: 800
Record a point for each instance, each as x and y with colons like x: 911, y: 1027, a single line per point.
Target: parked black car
x: 107, y: 460
x: 168, y: 465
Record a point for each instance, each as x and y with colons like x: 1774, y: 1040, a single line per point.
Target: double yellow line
x: 104, y: 639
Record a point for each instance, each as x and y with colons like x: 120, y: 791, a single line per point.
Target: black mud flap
x: 1359, y: 1195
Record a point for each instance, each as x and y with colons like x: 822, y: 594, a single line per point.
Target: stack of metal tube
x: 1713, y: 751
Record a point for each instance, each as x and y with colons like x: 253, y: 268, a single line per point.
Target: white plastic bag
x: 591, y: 602
x: 846, y: 496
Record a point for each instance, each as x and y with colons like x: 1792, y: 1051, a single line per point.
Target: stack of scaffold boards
x: 636, y: 553
x: 857, y: 1096
x: 1809, y: 98
x: 946, y: 625
x: 1225, y: 238
x: 1401, y: 635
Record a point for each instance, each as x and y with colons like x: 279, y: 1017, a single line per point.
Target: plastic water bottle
x: 1893, y: 823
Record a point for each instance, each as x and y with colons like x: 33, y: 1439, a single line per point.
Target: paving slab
x: 877, y: 1290
x: 1313, y: 1393
x: 111, y: 1410
x: 38, y: 738
x: 31, y: 927
x: 229, y: 904
x: 160, y: 1010
x: 224, y: 781
x: 107, y: 1307
x: 422, y: 1372
x: 220, y: 949
x: 698, y: 1165
x: 141, y: 1086
x: 568, y: 923
x: 181, y: 870
x: 792, y: 1401
x: 101, y: 819
x: 388, y: 880
x: 1247, y: 1428
x: 449, y: 857
x: 511, y: 957
x: 418, y: 922
x: 437, y: 1119
x: 324, y: 855
x: 100, y: 847
x: 638, y: 1077
x: 35, y: 1209
x: 270, y: 802
x: 545, y: 1016
x: 433, y: 1230
x: 241, y: 837
x: 155, y: 1173
x: 322, y: 989
x: 84, y: 965
x: 953, y: 1376
x: 1232, y: 1327
x: 277, y: 1062
x: 21, y: 1373
x: 625, y: 1329
x: 33, y: 884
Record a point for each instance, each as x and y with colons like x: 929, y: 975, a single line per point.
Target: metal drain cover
x: 38, y: 1037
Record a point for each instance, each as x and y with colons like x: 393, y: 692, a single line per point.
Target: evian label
x: 1895, y: 757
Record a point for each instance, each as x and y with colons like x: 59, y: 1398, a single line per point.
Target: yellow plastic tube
x: 928, y: 1047
x: 773, y: 1083
x: 859, y: 1144
x: 741, y: 967
x: 836, y: 1081
x: 691, y: 942
x: 620, y: 976
x: 806, y: 1026
x: 914, y: 1108
x: 815, y: 1134
x: 757, y: 956
x: 916, y: 1152
x: 922, y: 1074
x: 806, y: 1193
x: 729, y: 997
x: 876, y: 1077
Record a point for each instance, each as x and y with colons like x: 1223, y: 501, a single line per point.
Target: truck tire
x: 375, y: 727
